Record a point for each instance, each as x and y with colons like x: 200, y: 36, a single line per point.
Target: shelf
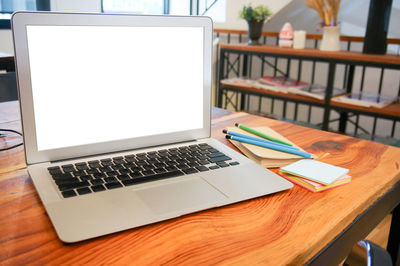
x: 242, y: 65
x: 389, y: 59
x: 392, y: 110
x: 281, y: 95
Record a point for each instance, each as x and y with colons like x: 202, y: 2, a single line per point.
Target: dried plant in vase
x: 255, y: 17
x: 328, y: 11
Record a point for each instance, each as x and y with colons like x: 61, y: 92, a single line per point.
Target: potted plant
x: 255, y: 17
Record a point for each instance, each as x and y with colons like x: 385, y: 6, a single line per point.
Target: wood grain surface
x: 285, y: 228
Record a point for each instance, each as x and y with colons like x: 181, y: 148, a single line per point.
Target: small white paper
x: 314, y: 170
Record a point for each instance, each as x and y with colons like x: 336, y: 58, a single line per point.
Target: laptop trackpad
x: 183, y: 196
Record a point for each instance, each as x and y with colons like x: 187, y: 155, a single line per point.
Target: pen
x: 237, y: 134
x: 269, y: 146
x: 255, y: 132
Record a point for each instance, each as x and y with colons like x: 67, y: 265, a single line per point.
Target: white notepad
x: 314, y: 170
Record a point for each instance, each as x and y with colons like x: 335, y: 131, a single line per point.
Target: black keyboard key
x: 205, y: 147
x: 68, y: 168
x: 190, y: 170
x: 105, y: 169
x: 217, y: 154
x: 83, y: 191
x: 113, y: 185
x: 203, y: 162
x: 220, y: 159
x: 130, y: 159
x: 124, y: 171
x: 98, y: 188
x: 62, y: 176
x: 118, y: 162
x: 152, y: 161
x: 68, y: 193
x: 112, y: 173
x: 81, y: 166
x: 193, y: 164
x: 106, y: 163
x: 117, y: 167
x: 212, y: 150
x: 110, y: 179
x: 182, y: 166
x: 123, y: 177
x: 79, y: 173
x: 148, y: 167
x: 92, y: 171
x: 234, y: 163
x: 143, y: 179
x: 55, y: 170
x: 97, y: 181
x: 148, y: 172
x: 213, y: 167
x: 118, y: 158
x: 70, y: 186
x: 86, y: 177
x: 171, y: 168
x: 160, y: 170
x: 99, y: 175
x: 202, y: 168
x: 222, y: 164
x: 136, y: 169
x: 67, y: 181
x: 135, y: 174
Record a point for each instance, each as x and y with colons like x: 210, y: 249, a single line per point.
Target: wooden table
x: 290, y: 227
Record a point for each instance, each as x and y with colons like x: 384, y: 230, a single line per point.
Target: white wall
x: 6, y: 42
x: 234, y: 6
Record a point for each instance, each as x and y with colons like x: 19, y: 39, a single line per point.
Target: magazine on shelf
x: 241, y: 81
x: 283, y: 82
x: 367, y: 99
x: 316, y: 91
x: 249, y: 83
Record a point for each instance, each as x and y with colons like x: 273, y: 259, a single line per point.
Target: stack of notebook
x: 314, y: 175
x: 266, y: 157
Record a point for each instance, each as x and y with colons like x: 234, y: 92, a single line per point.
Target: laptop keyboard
x: 111, y: 173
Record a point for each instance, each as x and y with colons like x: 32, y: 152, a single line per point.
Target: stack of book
x: 314, y: 175
x: 266, y: 157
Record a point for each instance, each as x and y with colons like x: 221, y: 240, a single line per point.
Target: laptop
x: 116, y: 115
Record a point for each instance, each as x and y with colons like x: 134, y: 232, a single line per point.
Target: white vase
x: 330, y: 38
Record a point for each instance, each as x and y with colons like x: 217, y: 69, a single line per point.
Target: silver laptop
x: 116, y: 118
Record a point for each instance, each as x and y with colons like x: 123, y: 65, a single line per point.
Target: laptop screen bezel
x: 19, y: 22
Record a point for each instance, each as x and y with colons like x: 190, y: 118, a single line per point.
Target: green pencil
x: 255, y: 132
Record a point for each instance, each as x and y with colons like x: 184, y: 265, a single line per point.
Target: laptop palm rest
x: 181, y: 196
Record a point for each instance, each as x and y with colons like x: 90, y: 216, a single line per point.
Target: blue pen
x: 269, y: 146
x: 237, y: 134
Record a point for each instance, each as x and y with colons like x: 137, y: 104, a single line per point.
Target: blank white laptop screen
x: 95, y: 84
